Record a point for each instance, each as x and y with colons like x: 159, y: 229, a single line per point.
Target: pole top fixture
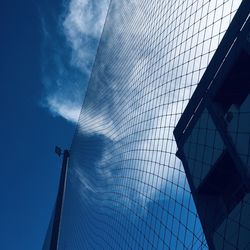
x: 58, y: 151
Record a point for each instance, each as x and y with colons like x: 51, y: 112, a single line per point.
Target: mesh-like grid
x: 125, y: 187
x: 213, y: 138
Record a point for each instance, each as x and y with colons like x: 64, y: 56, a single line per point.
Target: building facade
x: 125, y: 186
x: 213, y: 138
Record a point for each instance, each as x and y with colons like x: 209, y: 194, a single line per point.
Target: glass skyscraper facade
x: 126, y: 188
x: 213, y: 138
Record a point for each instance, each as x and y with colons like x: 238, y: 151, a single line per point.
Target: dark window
x: 236, y: 87
x: 224, y: 181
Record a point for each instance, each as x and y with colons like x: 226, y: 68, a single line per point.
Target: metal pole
x: 59, y: 202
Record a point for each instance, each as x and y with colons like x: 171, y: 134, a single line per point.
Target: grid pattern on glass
x: 213, y: 138
x: 125, y: 187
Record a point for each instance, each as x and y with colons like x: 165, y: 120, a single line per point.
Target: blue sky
x: 44, y: 65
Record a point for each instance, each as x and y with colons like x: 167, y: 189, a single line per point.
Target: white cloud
x: 84, y: 17
x: 67, y: 69
x: 67, y: 109
x: 83, y: 23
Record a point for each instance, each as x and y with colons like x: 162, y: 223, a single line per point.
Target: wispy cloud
x: 82, y: 26
x: 69, y: 51
x: 64, y: 108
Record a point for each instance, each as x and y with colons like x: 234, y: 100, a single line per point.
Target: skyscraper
x: 125, y: 186
x: 213, y: 138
